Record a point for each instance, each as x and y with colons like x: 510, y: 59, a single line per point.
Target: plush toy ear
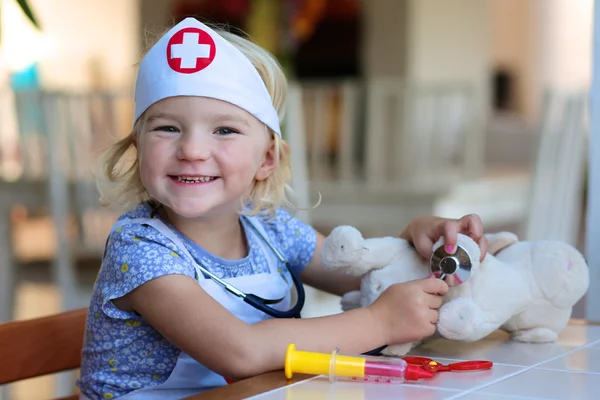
x: 499, y: 241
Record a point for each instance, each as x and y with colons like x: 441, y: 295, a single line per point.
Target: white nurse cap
x: 193, y: 60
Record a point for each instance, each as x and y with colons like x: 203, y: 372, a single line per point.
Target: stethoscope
x: 263, y: 304
x: 453, y: 268
x: 258, y: 302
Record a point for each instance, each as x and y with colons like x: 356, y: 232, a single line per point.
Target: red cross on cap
x: 190, y: 50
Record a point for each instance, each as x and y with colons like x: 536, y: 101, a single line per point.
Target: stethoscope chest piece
x: 454, y: 269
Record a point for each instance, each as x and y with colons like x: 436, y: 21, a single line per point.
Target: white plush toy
x: 380, y: 261
x: 525, y: 288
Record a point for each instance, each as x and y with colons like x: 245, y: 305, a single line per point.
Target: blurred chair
x: 383, y: 150
x: 41, y: 346
x: 70, y: 129
x: 545, y: 201
x: 420, y: 134
x: 557, y: 192
x: 74, y: 128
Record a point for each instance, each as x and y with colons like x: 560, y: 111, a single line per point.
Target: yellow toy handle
x: 333, y: 365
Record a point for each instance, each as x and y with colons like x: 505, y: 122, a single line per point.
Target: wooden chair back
x: 41, y: 346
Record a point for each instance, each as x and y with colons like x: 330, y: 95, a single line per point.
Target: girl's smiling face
x: 199, y: 156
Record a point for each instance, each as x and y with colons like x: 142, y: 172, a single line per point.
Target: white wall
x: 547, y: 43
x: 427, y: 40
x: 383, y: 44
x: 509, y: 32
x: 449, y: 40
x: 562, y: 47
x: 513, y: 42
x: 566, y: 27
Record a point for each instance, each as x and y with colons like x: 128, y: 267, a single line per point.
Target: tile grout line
x: 469, y: 391
x: 571, y: 371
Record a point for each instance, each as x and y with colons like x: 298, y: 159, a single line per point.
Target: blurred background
x: 397, y: 108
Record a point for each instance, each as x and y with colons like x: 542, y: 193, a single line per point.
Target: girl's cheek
x: 154, y: 148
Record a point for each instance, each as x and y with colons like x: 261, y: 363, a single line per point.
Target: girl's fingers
x: 451, y: 229
x: 472, y: 225
x: 483, y: 246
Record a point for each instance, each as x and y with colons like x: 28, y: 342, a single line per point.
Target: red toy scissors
x: 433, y: 366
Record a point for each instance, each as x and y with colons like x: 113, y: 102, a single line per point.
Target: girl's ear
x: 270, y: 162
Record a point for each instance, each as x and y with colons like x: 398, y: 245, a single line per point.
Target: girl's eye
x: 166, y: 128
x: 225, y: 131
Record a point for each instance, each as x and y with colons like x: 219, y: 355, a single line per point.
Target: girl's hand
x: 408, y: 311
x: 425, y: 231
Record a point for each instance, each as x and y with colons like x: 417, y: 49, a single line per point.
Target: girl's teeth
x: 193, y: 179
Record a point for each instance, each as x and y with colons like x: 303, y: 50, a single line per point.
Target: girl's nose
x: 193, y: 147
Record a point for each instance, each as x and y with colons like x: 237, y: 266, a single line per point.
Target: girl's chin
x: 200, y: 211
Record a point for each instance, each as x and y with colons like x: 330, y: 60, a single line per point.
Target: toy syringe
x: 353, y: 368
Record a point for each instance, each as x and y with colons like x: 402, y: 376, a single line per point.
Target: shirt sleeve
x: 136, y: 254
x: 295, y: 238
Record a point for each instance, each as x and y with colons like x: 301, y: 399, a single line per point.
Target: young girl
x: 209, y: 174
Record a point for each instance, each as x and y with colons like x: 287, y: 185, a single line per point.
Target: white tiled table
x: 566, y: 370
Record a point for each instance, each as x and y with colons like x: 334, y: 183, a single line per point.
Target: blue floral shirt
x: 122, y: 352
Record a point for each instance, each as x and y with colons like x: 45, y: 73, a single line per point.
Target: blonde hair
x: 120, y: 161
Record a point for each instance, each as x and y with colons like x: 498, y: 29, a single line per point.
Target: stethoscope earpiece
x: 454, y: 269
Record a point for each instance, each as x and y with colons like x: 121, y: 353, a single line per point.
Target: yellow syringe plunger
x: 334, y: 365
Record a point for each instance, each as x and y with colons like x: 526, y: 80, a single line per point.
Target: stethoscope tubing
x: 258, y: 302
x: 262, y: 304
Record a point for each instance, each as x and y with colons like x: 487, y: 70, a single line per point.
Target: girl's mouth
x: 190, y: 180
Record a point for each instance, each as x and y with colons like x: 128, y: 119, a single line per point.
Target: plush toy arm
x: 462, y: 319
